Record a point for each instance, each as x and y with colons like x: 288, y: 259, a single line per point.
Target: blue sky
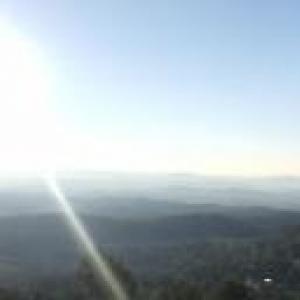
x: 208, y: 86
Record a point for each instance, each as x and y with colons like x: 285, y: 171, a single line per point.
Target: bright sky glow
x: 193, y: 86
x: 23, y: 102
x: 31, y: 139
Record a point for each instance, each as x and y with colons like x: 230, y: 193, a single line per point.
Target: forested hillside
x: 255, y: 253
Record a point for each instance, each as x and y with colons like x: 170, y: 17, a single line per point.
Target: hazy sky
x: 186, y: 86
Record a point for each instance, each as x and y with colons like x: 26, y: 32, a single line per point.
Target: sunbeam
x: 30, y: 136
x: 101, y: 268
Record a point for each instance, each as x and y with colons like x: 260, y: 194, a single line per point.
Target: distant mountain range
x: 136, y: 215
x: 124, y: 195
x: 41, y: 245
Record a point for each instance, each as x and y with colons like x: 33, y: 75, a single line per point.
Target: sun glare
x: 27, y: 130
x: 100, y: 266
x: 24, y: 93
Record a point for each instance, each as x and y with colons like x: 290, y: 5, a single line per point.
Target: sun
x: 24, y: 103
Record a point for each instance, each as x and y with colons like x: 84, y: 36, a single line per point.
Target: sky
x: 208, y: 87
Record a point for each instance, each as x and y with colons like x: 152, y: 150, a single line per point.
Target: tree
x: 180, y: 290
x: 234, y: 290
x: 6, y: 294
x: 89, y: 286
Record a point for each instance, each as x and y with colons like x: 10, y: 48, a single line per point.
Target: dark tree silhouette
x: 88, y: 285
x: 234, y: 290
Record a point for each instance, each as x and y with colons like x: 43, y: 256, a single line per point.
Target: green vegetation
x: 254, y: 256
x: 218, y: 269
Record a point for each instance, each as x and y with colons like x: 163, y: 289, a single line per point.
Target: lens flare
x: 101, y: 268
